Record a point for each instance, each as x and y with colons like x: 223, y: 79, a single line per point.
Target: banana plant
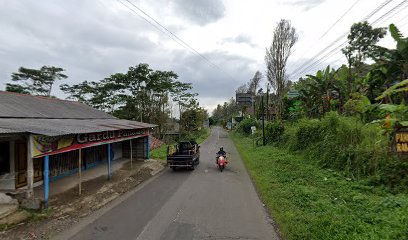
x: 396, y: 114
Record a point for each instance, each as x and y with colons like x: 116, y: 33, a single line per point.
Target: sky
x: 92, y: 39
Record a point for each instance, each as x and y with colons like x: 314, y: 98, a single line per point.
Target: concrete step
x: 15, y: 218
x: 7, y: 209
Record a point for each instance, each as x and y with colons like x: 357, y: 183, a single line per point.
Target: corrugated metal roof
x: 14, y: 105
x: 57, y: 127
x: 7, y: 131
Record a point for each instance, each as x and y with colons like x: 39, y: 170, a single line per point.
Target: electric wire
x: 331, y: 27
x: 170, y: 34
x: 310, y: 61
x: 381, y: 18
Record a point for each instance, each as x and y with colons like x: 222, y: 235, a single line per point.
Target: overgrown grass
x: 203, y: 135
x: 345, y: 144
x: 161, y: 152
x: 309, y: 202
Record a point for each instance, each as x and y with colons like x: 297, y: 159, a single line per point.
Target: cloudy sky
x: 92, y: 39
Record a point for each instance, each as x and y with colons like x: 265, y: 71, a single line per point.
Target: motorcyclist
x: 221, y: 152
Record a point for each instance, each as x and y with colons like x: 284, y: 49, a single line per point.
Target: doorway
x: 21, y: 163
x: 4, y: 157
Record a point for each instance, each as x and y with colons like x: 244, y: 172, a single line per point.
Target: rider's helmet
x: 221, y: 149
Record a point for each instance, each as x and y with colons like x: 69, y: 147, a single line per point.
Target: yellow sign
x: 401, y: 142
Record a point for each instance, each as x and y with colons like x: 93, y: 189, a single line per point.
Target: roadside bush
x: 274, y: 131
x: 346, y: 144
x: 245, y: 125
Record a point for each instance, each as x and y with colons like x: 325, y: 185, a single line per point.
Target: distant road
x: 184, y: 205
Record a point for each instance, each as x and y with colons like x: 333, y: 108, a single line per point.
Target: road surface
x: 184, y: 205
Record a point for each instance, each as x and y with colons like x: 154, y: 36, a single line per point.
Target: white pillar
x: 30, y: 168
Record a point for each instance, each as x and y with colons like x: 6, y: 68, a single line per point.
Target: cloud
x: 201, y: 12
x: 213, y: 82
x: 305, y: 4
x: 241, y: 38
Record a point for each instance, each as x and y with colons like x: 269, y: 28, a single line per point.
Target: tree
x: 284, y: 38
x: 242, y: 89
x: 140, y: 94
x: 36, y: 81
x: 361, y: 45
x: 254, y: 82
x: 192, y: 120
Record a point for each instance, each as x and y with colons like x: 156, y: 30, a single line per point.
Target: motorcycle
x: 221, y: 162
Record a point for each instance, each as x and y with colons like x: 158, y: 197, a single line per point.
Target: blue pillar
x: 109, y: 161
x: 46, y: 179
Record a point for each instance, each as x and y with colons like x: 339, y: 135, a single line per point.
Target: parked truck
x: 185, y: 154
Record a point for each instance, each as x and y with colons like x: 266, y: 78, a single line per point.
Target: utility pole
x: 263, y: 117
x: 267, y: 102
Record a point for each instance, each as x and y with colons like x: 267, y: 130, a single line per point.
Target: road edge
x: 84, y: 222
x: 266, y: 209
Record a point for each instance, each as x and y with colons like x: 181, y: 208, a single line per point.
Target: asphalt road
x: 184, y: 205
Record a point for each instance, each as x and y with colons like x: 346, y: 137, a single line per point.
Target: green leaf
x: 394, y: 89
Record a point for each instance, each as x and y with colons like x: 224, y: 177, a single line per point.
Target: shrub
x: 274, y: 131
x: 245, y: 125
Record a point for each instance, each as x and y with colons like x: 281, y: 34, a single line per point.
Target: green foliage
x: 159, y: 153
x: 344, y: 144
x: 245, y: 125
x: 140, y: 94
x: 192, y: 120
x: 224, y: 113
x: 361, y: 43
x: 357, y: 104
x: 274, y: 131
x: 396, y: 88
x: 308, y: 202
x: 35, y: 81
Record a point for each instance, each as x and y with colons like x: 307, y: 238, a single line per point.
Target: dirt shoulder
x: 68, y: 208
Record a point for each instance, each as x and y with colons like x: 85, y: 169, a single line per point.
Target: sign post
x: 253, y: 130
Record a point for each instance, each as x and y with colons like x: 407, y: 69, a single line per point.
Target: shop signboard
x: 401, y: 141
x: 48, y: 145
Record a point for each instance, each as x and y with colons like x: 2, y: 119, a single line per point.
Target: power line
x: 338, y: 20
x: 332, y: 26
x: 312, y: 62
x: 319, y: 61
x: 390, y: 11
x: 400, y: 5
x: 316, y: 63
x: 170, y: 34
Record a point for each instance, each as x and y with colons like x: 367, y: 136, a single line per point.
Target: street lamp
x: 260, y: 91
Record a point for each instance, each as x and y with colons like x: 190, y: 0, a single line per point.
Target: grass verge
x: 308, y: 202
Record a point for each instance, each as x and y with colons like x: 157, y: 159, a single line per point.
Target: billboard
x: 244, y: 99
